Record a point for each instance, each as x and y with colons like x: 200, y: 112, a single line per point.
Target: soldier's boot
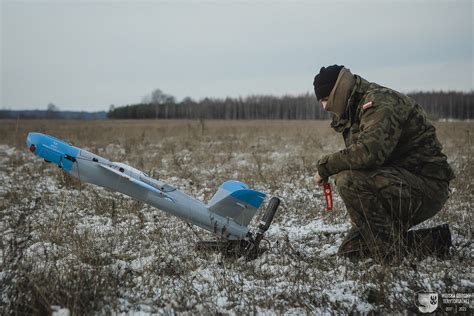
x: 353, y: 246
x: 430, y: 241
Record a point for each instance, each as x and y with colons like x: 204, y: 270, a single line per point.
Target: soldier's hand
x: 318, y: 180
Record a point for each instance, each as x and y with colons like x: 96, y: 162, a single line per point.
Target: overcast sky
x: 85, y: 55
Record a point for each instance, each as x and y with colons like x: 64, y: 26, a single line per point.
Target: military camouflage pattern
x: 394, y: 131
x: 383, y: 204
x: 392, y: 174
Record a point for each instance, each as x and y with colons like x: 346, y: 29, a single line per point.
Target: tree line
x: 455, y: 105
x: 45, y: 114
x: 252, y: 107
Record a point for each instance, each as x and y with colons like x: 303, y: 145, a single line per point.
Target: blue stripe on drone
x: 241, y: 192
x: 233, y: 185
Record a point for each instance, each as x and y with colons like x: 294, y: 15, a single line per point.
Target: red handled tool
x: 328, y: 195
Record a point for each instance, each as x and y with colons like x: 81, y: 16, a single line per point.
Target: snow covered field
x: 73, y: 246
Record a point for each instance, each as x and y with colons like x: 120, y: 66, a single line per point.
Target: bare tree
x: 52, y: 110
x: 52, y: 107
x: 158, y: 97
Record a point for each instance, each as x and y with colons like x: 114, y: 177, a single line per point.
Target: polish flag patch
x: 368, y: 105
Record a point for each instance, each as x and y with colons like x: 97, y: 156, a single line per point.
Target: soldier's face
x: 324, y: 102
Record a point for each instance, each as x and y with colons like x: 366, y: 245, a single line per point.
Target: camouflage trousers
x: 383, y: 204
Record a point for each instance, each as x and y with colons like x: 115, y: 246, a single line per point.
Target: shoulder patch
x: 368, y: 105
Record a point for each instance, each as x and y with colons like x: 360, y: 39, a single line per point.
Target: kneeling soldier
x: 392, y: 174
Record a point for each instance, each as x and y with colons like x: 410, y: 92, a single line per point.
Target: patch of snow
x: 329, y: 250
x: 6, y: 150
x: 59, y: 311
x: 467, y: 283
x: 295, y: 231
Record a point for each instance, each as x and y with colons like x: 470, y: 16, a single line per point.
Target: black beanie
x: 325, y: 80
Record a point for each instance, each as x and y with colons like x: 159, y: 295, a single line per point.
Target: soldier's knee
x: 343, y: 179
x: 351, y: 180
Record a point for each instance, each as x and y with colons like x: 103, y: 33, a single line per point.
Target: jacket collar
x: 339, y: 124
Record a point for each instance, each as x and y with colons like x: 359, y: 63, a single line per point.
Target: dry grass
x: 81, y: 247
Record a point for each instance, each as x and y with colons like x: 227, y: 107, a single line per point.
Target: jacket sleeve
x: 381, y: 128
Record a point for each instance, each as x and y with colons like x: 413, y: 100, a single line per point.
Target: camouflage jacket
x: 382, y: 127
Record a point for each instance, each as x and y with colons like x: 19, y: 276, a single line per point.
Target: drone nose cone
x: 52, y: 150
x: 34, y: 141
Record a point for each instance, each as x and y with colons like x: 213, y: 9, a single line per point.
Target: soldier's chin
x: 329, y: 107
